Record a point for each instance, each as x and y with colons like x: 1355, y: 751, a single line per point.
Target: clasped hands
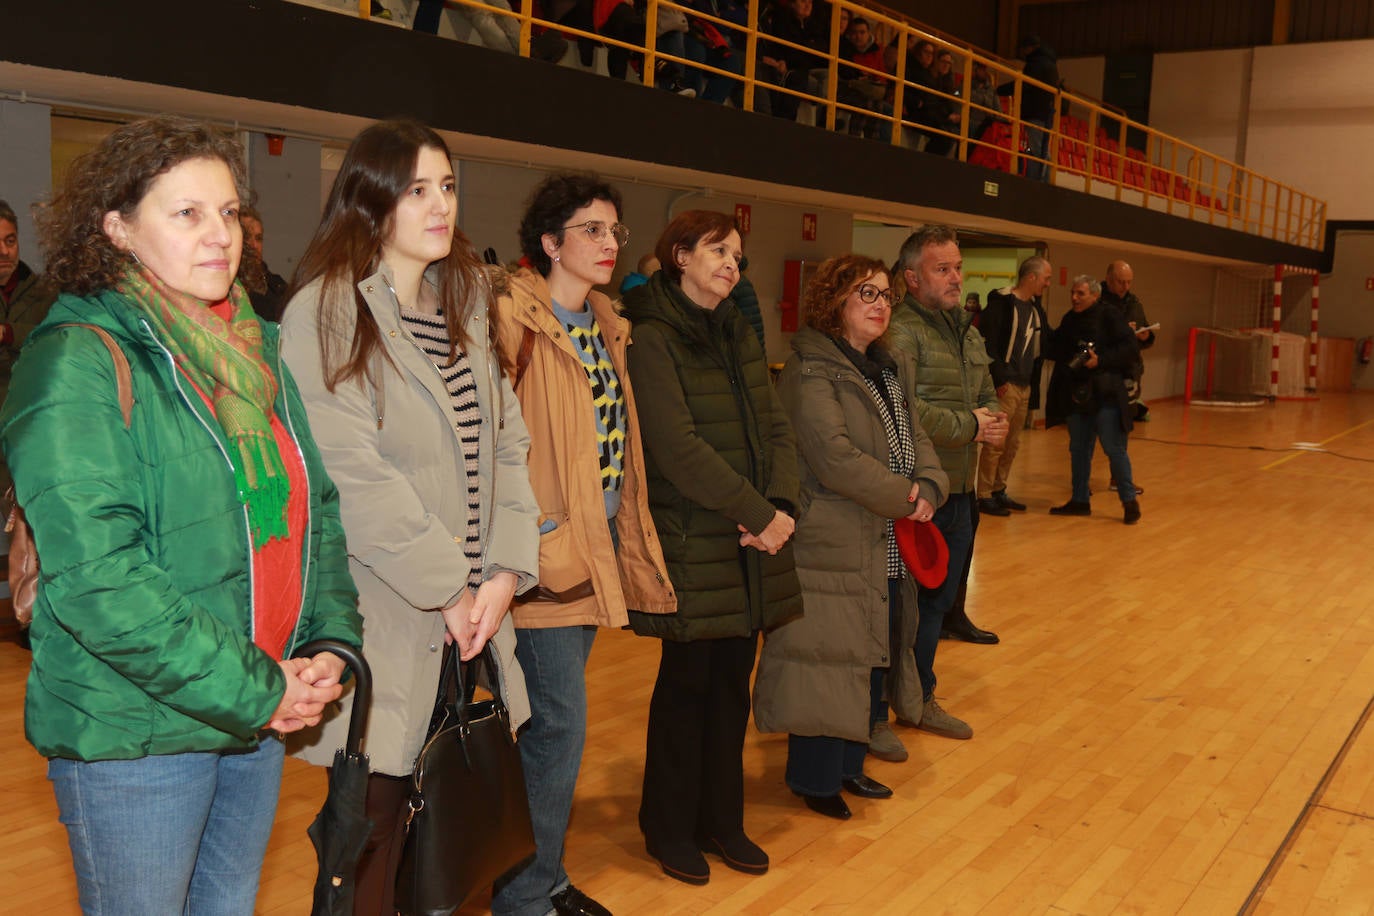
x: 771, y: 539
x: 311, y: 685
x: 992, y: 426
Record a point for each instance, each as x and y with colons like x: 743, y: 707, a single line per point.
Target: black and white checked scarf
x: 901, y: 458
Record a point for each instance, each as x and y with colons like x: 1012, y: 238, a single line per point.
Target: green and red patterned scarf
x: 224, y: 360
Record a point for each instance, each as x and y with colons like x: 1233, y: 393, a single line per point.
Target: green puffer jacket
x: 719, y: 454
x: 142, y: 631
x: 952, y: 381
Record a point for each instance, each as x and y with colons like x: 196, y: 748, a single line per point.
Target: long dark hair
x: 347, y: 248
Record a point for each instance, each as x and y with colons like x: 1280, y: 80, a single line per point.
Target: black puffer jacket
x: 719, y: 454
x: 1085, y: 390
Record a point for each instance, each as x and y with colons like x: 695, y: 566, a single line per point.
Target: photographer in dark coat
x: 1093, y: 351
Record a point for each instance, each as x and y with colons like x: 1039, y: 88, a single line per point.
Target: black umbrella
x: 340, y: 830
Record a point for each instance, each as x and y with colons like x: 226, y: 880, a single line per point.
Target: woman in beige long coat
x: 864, y: 461
x: 418, y: 427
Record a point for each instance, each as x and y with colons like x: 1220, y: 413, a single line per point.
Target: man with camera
x: 1094, y: 350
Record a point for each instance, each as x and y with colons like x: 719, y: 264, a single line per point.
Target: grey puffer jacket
x: 814, y: 672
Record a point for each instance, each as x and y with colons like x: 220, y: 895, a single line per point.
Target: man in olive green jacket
x: 24, y: 299
x: 958, y: 407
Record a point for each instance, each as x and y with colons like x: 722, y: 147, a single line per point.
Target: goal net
x: 1231, y: 367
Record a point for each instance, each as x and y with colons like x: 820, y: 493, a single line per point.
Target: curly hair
x: 835, y: 279
x: 116, y: 176
x: 552, y: 204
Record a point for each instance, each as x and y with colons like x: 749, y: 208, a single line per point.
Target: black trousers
x: 693, y: 766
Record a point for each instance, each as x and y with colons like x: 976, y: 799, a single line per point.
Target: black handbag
x: 469, y: 820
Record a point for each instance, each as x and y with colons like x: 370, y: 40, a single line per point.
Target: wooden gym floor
x: 1174, y: 722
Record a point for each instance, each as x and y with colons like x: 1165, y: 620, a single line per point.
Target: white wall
x: 25, y: 168
x: 1311, y: 125
x: 288, y: 193
x: 1200, y: 98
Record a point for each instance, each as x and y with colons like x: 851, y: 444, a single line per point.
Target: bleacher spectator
x: 941, y: 109
x: 784, y: 65
x: 500, y: 33
x: 717, y: 46
x: 982, y: 92
x: 1037, y: 105
x: 920, y: 76
x: 618, y: 19
x: 871, y: 89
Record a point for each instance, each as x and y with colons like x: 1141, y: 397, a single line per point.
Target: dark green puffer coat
x: 142, y: 631
x: 720, y: 454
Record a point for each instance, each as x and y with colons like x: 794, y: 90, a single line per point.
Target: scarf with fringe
x: 224, y: 360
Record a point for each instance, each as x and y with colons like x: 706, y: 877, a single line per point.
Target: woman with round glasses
x: 598, y: 553
x: 722, y: 478
x: 864, y: 461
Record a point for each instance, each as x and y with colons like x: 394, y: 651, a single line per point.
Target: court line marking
x: 1324, y: 442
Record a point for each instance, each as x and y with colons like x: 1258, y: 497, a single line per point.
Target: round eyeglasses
x: 596, y: 231
x: 870, y: 293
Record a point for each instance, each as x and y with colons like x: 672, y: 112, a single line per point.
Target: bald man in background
x: 1117, y: 294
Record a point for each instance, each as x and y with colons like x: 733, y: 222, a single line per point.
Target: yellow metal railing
x: 1089, y: 146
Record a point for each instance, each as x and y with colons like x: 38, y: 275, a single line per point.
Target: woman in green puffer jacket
x: 186, y: 552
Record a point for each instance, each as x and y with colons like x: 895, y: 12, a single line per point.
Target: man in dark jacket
x: 1093, y: 349
x: 1037, y: 105
x: 958, y: 409
x: 25, y: 298
x: 1012, y: 325
x: 1119, y: 294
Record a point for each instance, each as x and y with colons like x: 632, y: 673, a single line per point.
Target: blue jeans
x: 1039, y: 140
x: 1084, y: 430
x: 711, y: 86
x: 955, y: 521
x: 555, y: 661
x: 178, y: 833
x: 817, y: 764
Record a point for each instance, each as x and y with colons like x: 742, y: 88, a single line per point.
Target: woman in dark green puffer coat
x: 186, y: 550
x: 722, y: 475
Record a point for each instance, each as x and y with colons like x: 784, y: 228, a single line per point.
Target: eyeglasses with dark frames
x: 870, y: 293
x: 596, y: 231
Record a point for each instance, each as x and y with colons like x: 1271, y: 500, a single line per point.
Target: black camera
x: 1085, y: 350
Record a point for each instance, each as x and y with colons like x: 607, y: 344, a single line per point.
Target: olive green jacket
x: 952, y: 381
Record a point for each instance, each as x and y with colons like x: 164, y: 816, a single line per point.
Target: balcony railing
x: 1088, y: 146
